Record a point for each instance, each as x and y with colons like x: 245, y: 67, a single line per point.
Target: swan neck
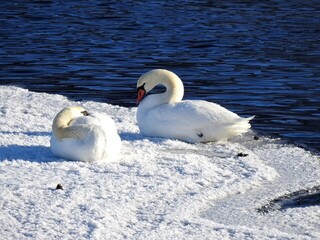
x: 61, y: 128
x: 174, y: 89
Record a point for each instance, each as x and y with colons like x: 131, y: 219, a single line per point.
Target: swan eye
x: 85, y: 113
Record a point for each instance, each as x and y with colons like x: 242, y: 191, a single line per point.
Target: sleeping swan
x: 79, y: 136
x: 166, y: 115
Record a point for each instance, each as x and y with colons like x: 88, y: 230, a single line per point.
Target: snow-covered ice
x: 159, y: 189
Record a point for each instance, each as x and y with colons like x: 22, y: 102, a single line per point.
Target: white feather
x: 190, y: 120
x: 95, y: 140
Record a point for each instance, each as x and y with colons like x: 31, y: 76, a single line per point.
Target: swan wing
x: 97, y: 140
x: 191, y: 120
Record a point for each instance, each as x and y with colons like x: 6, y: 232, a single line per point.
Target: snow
x: 159, y: 189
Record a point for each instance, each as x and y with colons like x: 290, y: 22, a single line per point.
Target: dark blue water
x: 254, y: 58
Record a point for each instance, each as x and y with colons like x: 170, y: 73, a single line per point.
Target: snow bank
x: 160, y: 189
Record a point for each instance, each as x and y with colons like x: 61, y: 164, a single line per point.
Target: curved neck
x: 61, y: 128
x: 174, y: 91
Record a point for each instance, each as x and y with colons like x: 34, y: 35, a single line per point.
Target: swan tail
x: 249, y: 118
x: 236, y: 128
x: 241, y: 126
x: 225, y: 131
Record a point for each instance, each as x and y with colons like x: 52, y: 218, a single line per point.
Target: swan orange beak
x: 141, y: 95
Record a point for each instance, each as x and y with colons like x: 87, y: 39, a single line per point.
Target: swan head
x: 63, y: 119
x: 164, y: 77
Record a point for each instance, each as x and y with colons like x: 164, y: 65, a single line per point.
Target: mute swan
x: 166, y: 115
x: 79, y: 136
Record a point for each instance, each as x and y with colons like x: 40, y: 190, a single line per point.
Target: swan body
x: 166, y: 115
x: 79, y: 136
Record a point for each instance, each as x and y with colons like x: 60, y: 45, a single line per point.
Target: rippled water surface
x: 254, y: 58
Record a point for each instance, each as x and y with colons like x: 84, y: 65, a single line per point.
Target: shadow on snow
x: 27, y: 153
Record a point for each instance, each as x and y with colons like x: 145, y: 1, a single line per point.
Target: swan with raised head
x: 166, y: 115
x: 80, y: 136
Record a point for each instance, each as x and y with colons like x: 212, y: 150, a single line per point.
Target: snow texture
x: 159, y: 188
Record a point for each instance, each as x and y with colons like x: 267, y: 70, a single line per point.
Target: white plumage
x: 81, y: 137
x: 166, y: 115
